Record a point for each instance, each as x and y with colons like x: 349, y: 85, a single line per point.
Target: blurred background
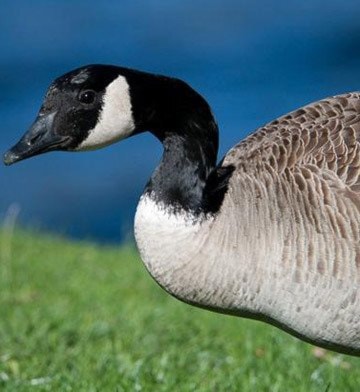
x: 252, y: 60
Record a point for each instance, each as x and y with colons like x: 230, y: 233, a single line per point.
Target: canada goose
x: 271, y: 232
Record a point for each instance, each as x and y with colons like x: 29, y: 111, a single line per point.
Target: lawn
x: 84, y: 317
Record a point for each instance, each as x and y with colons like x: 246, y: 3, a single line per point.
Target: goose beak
x: 40, y: 138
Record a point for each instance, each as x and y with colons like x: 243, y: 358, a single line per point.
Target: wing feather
x: 324, y: 135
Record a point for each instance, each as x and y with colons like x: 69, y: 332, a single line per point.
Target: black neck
x: 181, y: 176
x: 181, y: 119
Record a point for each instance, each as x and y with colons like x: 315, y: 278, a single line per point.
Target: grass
x: 80, y: 317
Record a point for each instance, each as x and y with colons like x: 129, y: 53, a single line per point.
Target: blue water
x: 252, y: 60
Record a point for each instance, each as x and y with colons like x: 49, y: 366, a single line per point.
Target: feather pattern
x: 284, y: 247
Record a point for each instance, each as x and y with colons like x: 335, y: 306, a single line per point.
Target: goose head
x: 85, y: 109
x: 97, y: 105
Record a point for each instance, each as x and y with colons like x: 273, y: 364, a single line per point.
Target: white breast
x: 168, y: 243
x: 201, y: 260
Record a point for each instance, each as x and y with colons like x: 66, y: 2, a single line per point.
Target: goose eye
x: 87, y: 96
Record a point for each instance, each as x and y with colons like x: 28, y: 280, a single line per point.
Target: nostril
x: 33, y: 139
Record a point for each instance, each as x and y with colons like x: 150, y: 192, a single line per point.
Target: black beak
x: 40, y: 138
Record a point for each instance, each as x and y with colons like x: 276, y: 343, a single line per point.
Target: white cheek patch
x: 115, y: 119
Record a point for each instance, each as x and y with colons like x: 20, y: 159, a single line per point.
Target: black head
x: 97, y: 105
x: 84, y: 109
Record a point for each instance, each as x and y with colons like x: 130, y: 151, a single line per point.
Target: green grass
x: 80, y: 317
